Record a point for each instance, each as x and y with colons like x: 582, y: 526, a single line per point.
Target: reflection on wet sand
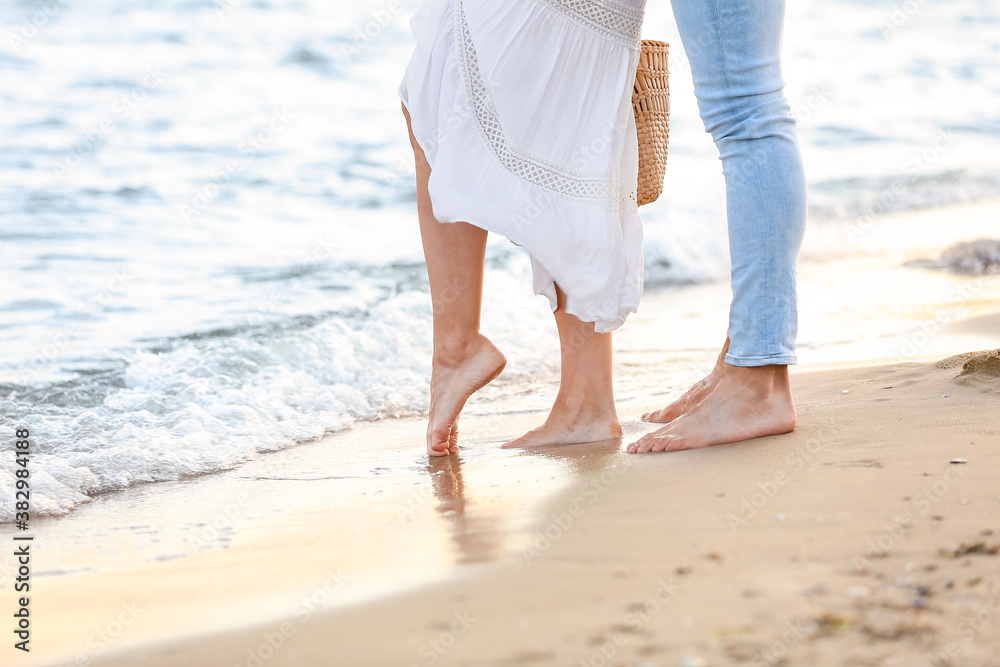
x: 475, y: 530
x: 479, y: 526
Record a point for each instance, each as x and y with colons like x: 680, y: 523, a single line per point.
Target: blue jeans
x: 734, y: 47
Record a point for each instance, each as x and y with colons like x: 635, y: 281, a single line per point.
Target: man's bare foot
x: 744, y: 403
x: 459, y: 371
x: 568, y: 425
x: 693, y: 396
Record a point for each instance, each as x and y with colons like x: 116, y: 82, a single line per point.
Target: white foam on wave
x: 206, y: 407
x: 212, y: 404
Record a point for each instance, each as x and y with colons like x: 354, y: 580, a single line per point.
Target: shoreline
x: 835, y: 529
x: 357, y: 534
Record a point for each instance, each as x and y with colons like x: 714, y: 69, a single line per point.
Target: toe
x: 680, y: 444
x: 643, y: 445
x: 439, y: 440
x: 529, y: 439
x: 661, y: 444
x: 656, y: 416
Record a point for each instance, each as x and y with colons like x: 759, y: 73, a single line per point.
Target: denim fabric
x: 734, y: 48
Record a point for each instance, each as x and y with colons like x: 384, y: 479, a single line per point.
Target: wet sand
x: 868, y: 536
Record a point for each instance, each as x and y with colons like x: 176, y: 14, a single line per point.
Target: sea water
x: 209, y: 245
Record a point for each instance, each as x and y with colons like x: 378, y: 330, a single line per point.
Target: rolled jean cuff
x: 770, y: 360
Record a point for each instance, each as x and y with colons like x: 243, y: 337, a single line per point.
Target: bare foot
x: 572, y: 425
x: 457, y: 374
x: 744, y: 403
x: 693, y: 396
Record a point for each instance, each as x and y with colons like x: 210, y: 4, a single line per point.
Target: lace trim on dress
x: 590, y: 188
x: 610, y: 20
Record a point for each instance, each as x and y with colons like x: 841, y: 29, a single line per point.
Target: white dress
x: 523, y: 110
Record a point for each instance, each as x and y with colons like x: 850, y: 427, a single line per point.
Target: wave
x: 854, y: 198
x: 209, y: 404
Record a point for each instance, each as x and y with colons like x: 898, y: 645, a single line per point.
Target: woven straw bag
x: 651, y: 102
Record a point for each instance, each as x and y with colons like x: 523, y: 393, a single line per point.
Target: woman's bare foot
x: 693, y: 396
x: 584, y: 410
x: 459, y: 371
x: 744, y: 403
x: 573, y: 424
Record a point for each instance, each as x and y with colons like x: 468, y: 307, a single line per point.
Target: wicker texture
x: 651, y: 102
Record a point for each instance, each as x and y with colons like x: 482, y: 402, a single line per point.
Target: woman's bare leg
x: 464, y: 360
x: 584, y: 410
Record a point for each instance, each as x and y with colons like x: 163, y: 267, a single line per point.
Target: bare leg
x: 741, y: 403
x: 464, y: 360
x: 584, y: 410
x: 693, y: 396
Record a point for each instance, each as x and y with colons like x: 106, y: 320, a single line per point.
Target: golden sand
x: 866, y: 537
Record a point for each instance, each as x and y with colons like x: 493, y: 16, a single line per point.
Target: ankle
x: 721, y: 361
x: 581, y: 405
x: 765, y: 380
x: 454, y: 350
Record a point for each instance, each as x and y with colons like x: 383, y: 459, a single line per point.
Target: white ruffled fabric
x: 523, y: 110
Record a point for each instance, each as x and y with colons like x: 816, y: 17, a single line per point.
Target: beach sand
x: 869, y: 536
